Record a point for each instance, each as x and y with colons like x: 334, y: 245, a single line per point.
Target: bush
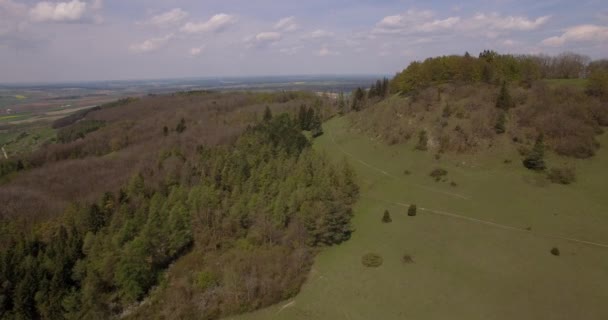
x: 423, y: 141
x: 407, y: 259
x: 438, y: 173
x: 407, y: 172
x: 206, y: 280
x: 372, y: 260
x: 412, y: 210
x: 566, y: 175
x: 386, y: 218
x: 555, y: 252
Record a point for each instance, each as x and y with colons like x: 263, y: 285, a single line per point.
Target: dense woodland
x: 215, y: 201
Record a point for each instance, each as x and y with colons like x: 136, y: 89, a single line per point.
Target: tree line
x: 493, y: 68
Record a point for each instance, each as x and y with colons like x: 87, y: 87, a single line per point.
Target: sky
x: 85, y: 40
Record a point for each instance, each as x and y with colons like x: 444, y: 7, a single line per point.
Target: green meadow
x: 479, y: 247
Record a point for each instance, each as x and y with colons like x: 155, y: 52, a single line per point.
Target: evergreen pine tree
x: 181, y: 126
x: 500, y: 126
x: 412, y: 210
x: 386, y: 217
x: 423, y: 141
x: 535, y: 160
x: 267, y: 114
x: 341, y: 103
x: 504, y: 101
x: 302, y: 117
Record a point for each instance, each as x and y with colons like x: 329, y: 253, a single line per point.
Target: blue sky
x: 71, y: 40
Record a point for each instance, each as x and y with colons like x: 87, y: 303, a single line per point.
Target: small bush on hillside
x: 447, y: 111
x: 500, y: 126
x: 565, y: 175
x: 407, y: 259
x: 372, y: 260
x: 454, y: 184
x: 206, y: 280
x: 412, y: 210
x: 423, y: 141
x: 555, y: 252
x: 181, y: 126
x: 407, y: 172
x: 386, y: 217
x: 438, y: 174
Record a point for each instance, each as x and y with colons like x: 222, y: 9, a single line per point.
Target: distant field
x: 480, y: 250
x: 25, y: 140
x: 14, y: 117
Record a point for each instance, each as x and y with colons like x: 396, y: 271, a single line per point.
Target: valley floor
x: 480, y: 250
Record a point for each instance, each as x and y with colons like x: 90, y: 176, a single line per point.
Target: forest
x: 249, y: 209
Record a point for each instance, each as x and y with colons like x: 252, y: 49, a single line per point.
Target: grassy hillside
x: 480, y: 250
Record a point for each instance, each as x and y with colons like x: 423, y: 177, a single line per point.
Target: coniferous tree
x: 358, y: 97
x: 423, y: 141
x: 341, y: 103
x: 267, y: 114
x: 316, y: 126
x: 504, y: 101
x: 385, y: 87
x: 500, y: 126
x: 386, y: 217
x: 535, y: 159
x: 412, y: 210
x: 181, y: 126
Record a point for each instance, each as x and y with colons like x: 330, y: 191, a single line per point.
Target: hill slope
x: 480, y: 251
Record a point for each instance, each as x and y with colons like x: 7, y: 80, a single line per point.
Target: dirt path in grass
x: 454, y: 215
x: 493, y: 224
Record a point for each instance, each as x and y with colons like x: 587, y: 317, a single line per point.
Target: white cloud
x: 170, y: 17
x: 497, y: 22
x: 324, y: 52
x: 319, y: 34
x: 490, y: 25
x: 58, y: 11
x: 97, y: 5
x: 290, y: 51
x: 509, y: 43
x: 263, y: 39
x: 583, y: 33
x: 217, y: 23
x: 286, y: 24
x: 151, y: 45
x: 414, y: 21
x: 197, y: 51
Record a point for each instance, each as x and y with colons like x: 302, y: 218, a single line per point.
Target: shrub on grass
x: 454, y: 184
x: 438, y: 174
x: 423, y: 141
x: 565, y: 175
x: 407, y: 172
x: 555, y: 252
x: 372, y: 260
x: 407, y: 259
x: 386, y: 217
x: 412, y: 210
